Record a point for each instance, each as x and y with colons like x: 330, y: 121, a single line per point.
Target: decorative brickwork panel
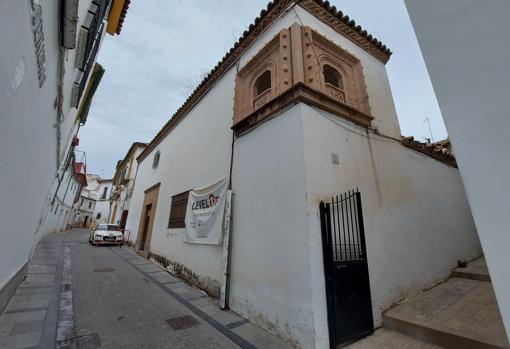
x: 298, y: 56
x: 353, y: 92
x: 247, y: 98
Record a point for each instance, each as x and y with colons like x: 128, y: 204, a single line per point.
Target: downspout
x: 60, y: 105
x: 227, y: 246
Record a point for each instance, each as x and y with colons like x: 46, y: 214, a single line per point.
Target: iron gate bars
x: 345, y: 227
x: 346, y: 269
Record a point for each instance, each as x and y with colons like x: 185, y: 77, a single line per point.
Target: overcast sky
x: 165, y: 45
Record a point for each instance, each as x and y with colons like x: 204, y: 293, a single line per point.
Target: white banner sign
x: 204, y: 214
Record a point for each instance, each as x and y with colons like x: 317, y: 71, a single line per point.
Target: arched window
x: 155, y: 162
x: 263, y: 83
x: 333, y: 77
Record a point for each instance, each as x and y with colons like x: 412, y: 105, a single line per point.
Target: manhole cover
x: 182, y: 322
x: 103, y: 270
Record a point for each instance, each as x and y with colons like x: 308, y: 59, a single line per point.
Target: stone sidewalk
x: 461, y: 312
x: 388, y: 339
x: 30, y: 318
x: 109, y: 297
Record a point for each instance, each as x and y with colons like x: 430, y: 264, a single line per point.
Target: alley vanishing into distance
x: 110, y: 297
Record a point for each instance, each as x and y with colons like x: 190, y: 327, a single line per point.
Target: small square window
x: 155, y: 162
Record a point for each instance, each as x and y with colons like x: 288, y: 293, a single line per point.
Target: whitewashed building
x: 65, y: 201
x: 297, y: 112
x: 102, y: 210
x: 84, y: 213
x: 48, y: 76
x: 123, y: 183
x: 94, y: 202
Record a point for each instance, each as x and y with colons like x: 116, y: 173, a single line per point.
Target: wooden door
x: 147, y: 220
x: 145, y: 228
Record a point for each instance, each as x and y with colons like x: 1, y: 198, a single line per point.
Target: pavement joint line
x: 196, y: 298
x: 236, y: 324
x: 48, y: 334
x: 65, y: 324
x: 234, y: 337
x: 45, y: 264
x: 25, y: 287
x: 170, y: 282
x: 25, y: 310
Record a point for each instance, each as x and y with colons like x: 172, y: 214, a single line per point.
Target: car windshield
x: 107, y: 227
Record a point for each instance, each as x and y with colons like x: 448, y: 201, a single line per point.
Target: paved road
x: 109, y: 297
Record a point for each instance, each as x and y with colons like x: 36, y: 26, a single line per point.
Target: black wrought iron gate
x: 346, y: 270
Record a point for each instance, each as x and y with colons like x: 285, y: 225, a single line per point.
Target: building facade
x: 472, y: 92
x: 84, y: 213
x: 49, y: 75
x: 297, y: 112
x: 102, y: 210
x: 123, y: 183
x: 94, y: 204
x: 66, y: 199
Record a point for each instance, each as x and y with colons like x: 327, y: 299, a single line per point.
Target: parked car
x: 106, y: 234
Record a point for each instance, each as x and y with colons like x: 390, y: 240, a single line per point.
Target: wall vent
x: 74, y: 95
x: 335, y: 159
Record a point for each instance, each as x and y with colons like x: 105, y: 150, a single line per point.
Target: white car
x: 106, y: 234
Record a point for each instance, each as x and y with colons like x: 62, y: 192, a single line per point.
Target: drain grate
x: 103, y: 270
x: 182, y: 322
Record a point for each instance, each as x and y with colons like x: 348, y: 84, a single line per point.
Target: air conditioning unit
x: 69, y: 22
x: 80, y: 49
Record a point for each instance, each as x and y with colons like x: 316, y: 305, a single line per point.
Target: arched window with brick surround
x: 262, y: 84
x: 333, y: 77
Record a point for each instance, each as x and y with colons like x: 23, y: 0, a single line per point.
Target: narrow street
x: 79, y: 296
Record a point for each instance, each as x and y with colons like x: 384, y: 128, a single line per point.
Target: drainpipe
x: 60, y: 106
x: 225, y: 277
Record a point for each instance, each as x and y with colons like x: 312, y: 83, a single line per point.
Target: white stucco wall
x: 270, y: 270
x: 27, y: 136
x: 102, y: 207
x: 27, y: 133
x: 417, y: 219
x: 103, y: 203
x: 465, y: 47
x: 195, y: 154
x: 58, y: 218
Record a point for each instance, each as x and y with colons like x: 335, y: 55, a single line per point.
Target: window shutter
x: 178, y: 210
